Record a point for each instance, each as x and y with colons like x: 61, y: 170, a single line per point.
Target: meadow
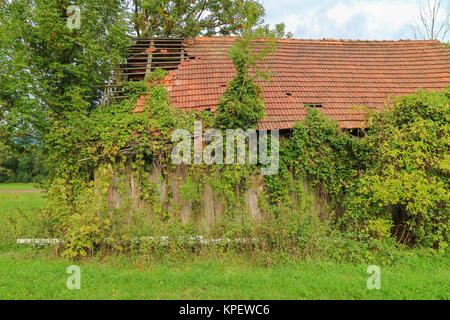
x: 29, y: 272
x: 17, y: 186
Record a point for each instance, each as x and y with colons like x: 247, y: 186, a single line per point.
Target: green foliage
x: 157, y: 75
x: 53, y: 67
x: 133, y: 90
x: 409, y: 174
x: 242, y: 104
x: 191, y: 18
x: 379, y: 228
x: 79, y: 213
x: 228, y: 182
x: 49, y: 81
x: 279, y: 185
x: 322, y: 153
x: 85, y: 234
x: 22, y: 163
x: 49, y: 90
x: 115, y: 143
x: 392, y: 182
x: 5, y: 155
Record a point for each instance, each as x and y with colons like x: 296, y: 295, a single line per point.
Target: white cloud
x: 344, y: 19
x: 377, y: 13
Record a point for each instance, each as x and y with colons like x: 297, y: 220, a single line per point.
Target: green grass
x: 20, y: 202
x: 23, y: 277
x: 17, y: 186
x: 29, y: 273
x: 21, y: 217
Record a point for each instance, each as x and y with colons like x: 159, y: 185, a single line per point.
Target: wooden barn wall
x: 212, y: 207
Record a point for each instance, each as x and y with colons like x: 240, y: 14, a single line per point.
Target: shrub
x: 408, y: 179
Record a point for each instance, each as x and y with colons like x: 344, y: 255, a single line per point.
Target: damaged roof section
x: 142, y: 58
x: 342, y: 76
x: 147, y: 54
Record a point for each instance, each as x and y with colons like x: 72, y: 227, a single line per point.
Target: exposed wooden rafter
x: 142, y: 58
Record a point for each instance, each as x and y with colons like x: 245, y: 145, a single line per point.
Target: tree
x: 19, y: 163
x: 49, y: 72
x: 5, y: 154
x: 191, y: 18
x: 433, y: 22
x: 242, y: 104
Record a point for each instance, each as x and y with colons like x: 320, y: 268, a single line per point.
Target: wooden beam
x: 149, y: 59
x: 182, y: 54
x: 130, y: 60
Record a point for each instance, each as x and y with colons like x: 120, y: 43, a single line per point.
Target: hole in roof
x: 313, y: 105
x: 289, y: 94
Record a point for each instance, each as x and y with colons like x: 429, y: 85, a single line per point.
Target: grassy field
x: 21, y: 217
x: 27, y: 273
x: 17, y: 186
x: 21, y: 202
x: 25, y: 276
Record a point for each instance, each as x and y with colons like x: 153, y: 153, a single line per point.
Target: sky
x: 346, y: 19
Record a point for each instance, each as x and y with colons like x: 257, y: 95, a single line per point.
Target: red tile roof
x: 340, y: 75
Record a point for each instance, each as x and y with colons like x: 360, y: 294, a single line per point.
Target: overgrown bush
x: 393, y: 182
x: 407, y: 181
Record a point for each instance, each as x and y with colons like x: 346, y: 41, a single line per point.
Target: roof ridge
x: 204, y: 38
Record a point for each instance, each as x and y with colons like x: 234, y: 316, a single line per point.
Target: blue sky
x: 345, y: 19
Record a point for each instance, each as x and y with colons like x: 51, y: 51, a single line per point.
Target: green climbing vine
x: 391, y: 183
x: 242, y: 104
